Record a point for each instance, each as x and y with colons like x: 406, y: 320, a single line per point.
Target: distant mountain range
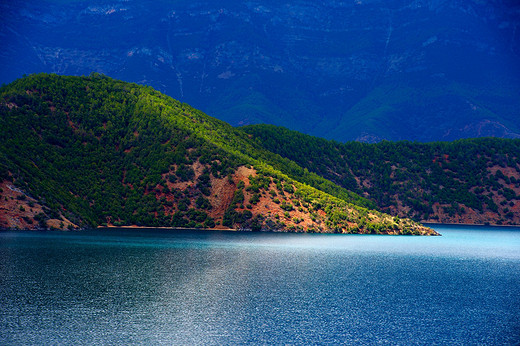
x: 363, y: 70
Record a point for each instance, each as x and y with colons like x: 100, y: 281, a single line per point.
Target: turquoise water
x: 197, y: 287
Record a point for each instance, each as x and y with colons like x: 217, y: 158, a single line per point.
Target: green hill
x: 473, y: 181
x: 90, y: 151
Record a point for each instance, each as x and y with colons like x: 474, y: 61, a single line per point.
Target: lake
x: 213, y: 288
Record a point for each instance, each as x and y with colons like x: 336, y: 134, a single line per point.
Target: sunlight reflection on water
x: 197, y: 287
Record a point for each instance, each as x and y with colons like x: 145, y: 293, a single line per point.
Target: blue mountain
x: 362, y: 70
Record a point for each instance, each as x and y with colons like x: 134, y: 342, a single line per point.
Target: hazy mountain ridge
x: 89, y: 151
x: 365, y: 70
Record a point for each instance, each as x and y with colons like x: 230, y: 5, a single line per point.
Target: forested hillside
x: 89, y: 151
x: 466, y: 181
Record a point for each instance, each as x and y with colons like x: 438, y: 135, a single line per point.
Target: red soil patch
x: 18, y: 210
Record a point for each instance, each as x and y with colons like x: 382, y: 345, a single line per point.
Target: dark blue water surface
x: 206, y: 287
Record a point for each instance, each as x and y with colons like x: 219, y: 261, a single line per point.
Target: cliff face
x: 364, y: 70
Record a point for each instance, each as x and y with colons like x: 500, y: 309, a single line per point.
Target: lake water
x: 206, y: 287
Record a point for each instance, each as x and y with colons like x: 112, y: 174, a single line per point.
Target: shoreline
x: 137, y: 228
x: 171, y: 228
x: 164, y: 227
x: 467, y: 224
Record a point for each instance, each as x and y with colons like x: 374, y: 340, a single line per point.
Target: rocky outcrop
x: 18, y: 210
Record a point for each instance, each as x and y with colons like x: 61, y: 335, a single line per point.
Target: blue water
x: 199, y: 287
